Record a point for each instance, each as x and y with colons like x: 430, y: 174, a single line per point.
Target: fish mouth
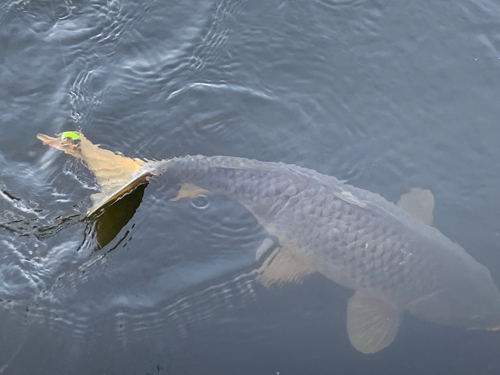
x: 493, y: 328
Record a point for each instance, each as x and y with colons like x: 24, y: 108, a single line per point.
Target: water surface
x: 384, y: 96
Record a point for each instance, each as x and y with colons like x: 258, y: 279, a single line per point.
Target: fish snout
x: 492, y: 324
x: 493, y: 328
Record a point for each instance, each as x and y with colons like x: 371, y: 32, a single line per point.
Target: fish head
x: 68, y: 142
x: 469, y: 299
x: 478, y: 305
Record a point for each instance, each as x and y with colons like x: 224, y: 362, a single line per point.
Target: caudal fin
x: 115, y: 174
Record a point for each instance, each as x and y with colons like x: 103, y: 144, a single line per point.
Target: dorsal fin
x: 420, y: 203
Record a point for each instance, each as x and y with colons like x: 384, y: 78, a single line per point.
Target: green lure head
x: 70, y: 135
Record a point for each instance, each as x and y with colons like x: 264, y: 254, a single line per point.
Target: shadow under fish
x: 390, y: 255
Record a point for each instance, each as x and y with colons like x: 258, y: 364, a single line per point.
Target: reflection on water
x: 387, y: 97
x: 102, y: 230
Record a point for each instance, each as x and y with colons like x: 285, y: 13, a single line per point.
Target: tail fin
x: 115, y: 174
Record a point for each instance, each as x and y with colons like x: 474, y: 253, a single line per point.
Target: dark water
x: 386, y: 96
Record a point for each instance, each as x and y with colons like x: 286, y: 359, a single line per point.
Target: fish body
x: 393, y: 260
x: 354, y: 237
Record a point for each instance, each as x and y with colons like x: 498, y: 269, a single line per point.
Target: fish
x: 389, y: 255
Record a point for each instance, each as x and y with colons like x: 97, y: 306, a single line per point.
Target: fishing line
x: 59, y: 39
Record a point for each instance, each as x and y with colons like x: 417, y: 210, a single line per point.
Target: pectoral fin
x: 282, y: 265
x: 372, y: 323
